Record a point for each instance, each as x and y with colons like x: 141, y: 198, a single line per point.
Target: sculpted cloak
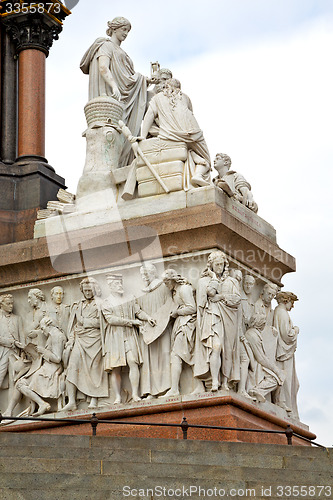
x: 285, y: 356
x: 132, y: 85
x: 85, y: 366
x: 155, y: 372
x: 223, y: 320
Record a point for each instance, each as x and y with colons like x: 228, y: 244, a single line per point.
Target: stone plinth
x: 217, y: 409
x: 177, y: 231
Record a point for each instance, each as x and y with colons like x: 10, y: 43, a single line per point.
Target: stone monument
x: 202, y: 335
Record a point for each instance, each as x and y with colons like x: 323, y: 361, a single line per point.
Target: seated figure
x: 268, y: 376
x: 233, y: 183
x: 172, y: 111
x: 43, y: 379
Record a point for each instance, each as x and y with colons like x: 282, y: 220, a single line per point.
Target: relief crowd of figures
x: 78, y: 352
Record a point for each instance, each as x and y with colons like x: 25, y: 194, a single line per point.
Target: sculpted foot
x: 136, y: 398
x: 93, y: 403
x: 245, y: 395
x: 259, y: 397
x: 69, y: 407
x: 171, y: 392
x: 215, y: 387
x: 117, y: 401
x: 42, y: 409
x: 283, y: 405
x: 225, y: 387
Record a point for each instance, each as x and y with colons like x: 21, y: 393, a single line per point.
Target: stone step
x: 186, y: 446
x: 321, y: 462
x: 102, y: 468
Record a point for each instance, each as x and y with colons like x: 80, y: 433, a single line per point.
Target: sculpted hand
x: 136, y: 322
x: 152, y: 321
x: 33, y: 334
x: 116, y: 92
x: 40, y: 350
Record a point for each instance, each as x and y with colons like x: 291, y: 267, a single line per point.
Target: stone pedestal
x: 216, y: 409
x: 178, y: 231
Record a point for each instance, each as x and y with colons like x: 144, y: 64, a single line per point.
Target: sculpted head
x: 218, y: 263
x: 237, y: 274
x: 148, y: 273
x: 163, y: 75
x: 115, y: 283
x: 268, y: 293
x: 222, y: 163
x: 90, y: 288
x: 35, y: 297
x: 248, y: 283
x: 171, y: 278
x: 7, y: 303
x: 121, y: 25
x: 57, y: 294
x: 286, y: 298
x: 258, y: 321
x: 45, y: 324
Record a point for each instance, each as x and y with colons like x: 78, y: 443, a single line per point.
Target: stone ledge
x: 221, y: 409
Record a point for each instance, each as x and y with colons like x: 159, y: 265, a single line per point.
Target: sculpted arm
x: 285, y: 327
x: 148, y: 121
x: 103, y: 66
x: 189, y: 305
x: 114, y: 320
x: 55, y: 355
x: 259, y: 353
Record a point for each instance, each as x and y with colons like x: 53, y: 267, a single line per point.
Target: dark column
x: 8, y: 99
x: 27, y: 181
x: 31, y: 105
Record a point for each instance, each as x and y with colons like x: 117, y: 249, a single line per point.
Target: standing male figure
x: 121, y: 345
x: 85, y: 366
x: 58, y: 311
x: 11, y: 335
x: 155, y: 371
x: 285, y: 353
x: 183, y: 331
x: 247, y: 306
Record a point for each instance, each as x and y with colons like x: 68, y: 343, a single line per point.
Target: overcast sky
x: 259, y: 74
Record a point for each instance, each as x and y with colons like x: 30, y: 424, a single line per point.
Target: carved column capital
x: 33, y: 25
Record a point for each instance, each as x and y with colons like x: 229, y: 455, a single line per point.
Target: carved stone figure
x: 173, y: 111
x: 183, y: 331
x: 42, y: 381
x: 111, y: 73
x: 247, y: 306
x: 219, y: 320
x: 121, y: 344
x: 84, y: 348
x: 233, y: 183
x: 161, y: 77
x: 59, y: 312
x: 11, y: 337
x: 285, y: 353
x: 268, y: 375
x: 36, y: 300
x: 155, y: 371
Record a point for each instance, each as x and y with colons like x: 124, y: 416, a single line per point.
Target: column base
x: 25, y: 187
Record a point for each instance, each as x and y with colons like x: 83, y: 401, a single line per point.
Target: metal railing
x: 184, y: 425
